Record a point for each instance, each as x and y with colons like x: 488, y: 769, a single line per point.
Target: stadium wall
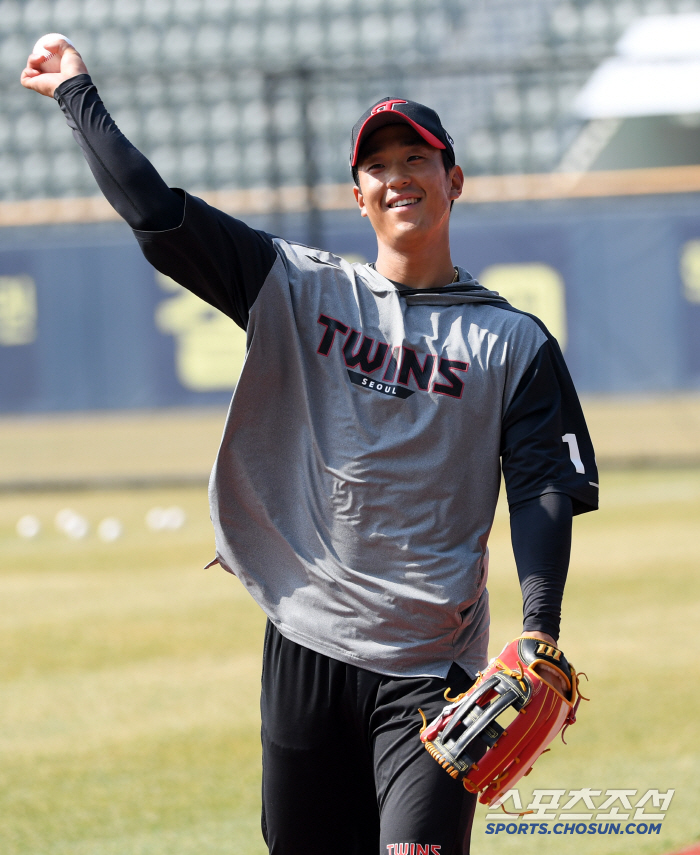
x: 86, y: 323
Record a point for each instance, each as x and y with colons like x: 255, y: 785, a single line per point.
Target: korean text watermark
x: 584, y: 811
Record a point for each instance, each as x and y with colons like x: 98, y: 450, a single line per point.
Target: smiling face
x: 404, y: 188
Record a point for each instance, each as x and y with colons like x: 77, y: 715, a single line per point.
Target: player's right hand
x: 45, y: 83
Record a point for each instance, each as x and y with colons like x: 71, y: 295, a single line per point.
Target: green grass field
x: 129, y: 675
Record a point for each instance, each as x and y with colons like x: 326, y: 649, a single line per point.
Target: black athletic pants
x: 344, y: 772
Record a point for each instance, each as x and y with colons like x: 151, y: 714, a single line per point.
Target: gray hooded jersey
x: 358, y: 474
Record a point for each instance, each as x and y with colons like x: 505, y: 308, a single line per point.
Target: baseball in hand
x: 52, y: 62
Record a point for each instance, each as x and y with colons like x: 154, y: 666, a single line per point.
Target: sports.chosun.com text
x: 573, y: 828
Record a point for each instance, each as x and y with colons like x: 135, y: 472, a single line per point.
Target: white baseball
x: 52, y: 61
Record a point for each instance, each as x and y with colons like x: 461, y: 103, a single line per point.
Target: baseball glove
x: 488, y: 757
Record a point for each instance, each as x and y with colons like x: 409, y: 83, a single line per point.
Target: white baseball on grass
x: 51, y: 63
x: 71, y: 524
x: 175, y: 517
x: 28, y: 526
x: 166, y: 519
x: 110, y: 529
x: 156, y: 519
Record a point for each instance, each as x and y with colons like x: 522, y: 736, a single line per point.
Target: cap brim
x: 392, y: 117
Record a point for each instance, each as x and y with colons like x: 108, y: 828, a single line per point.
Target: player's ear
x: 360, y: 199
x: 456, y: 182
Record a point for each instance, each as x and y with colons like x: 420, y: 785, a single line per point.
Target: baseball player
x: 357, y: 478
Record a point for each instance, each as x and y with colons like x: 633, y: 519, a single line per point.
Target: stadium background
x: 128, y: 693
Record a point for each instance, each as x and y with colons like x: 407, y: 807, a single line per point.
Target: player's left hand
x: 553, y: 677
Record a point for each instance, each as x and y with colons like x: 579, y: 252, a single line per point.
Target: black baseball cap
x: 391, y: 111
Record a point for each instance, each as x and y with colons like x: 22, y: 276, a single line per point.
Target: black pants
x: 344, y: 771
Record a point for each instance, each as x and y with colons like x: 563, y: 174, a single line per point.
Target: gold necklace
x: 455, y: 278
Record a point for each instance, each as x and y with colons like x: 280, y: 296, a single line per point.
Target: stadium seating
x: 214, y: 90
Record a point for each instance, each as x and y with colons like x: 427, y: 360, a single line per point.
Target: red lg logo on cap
x: 387, y: 105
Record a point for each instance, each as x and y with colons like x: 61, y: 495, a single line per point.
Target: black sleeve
x: 219, y: 258
x: 127, y: 179
x: 540, y: 531
x: 545, y: 445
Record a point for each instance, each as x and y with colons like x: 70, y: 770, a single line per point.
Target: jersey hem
x: 349, y: 659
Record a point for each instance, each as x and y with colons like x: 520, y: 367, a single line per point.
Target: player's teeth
x: 402, y: 203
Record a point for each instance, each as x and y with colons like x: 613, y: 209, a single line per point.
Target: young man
x: 357, y: 478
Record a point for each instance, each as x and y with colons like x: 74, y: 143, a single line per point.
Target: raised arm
x: 128, y: 180
x: 214, y: 255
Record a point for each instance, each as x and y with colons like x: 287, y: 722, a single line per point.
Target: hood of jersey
x: 465, y: 290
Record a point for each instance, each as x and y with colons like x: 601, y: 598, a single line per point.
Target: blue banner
x: 86, y: 323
